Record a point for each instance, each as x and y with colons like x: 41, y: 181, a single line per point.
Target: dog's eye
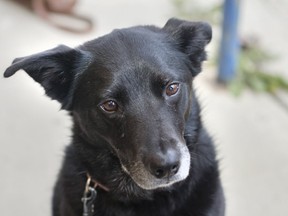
x: 172, y: 89
x: 109, y: 106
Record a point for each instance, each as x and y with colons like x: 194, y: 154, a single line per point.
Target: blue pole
x: 229, y: 49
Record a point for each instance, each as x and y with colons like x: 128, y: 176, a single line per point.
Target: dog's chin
x: 153, y: 184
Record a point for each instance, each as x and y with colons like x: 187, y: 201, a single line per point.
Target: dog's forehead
x: 132, y: 59
x: 133, y: 39
x: 137, y: 49
x: 128, y: 47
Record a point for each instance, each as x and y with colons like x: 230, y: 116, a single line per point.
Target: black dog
x: 138, y: 142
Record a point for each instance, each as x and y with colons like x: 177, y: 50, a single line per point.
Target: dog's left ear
x: 191, y: 38
x: 57, y: 70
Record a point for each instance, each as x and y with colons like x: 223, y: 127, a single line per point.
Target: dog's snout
x: 164, y: 165
x: 166, y: 171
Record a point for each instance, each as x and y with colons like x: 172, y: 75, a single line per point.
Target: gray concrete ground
x: 250, y: 131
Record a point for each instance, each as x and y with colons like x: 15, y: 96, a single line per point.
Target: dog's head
x: 130, y: 91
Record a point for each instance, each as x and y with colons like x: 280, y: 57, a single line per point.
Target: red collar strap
x: 93, y: 183
x: 90, y: 195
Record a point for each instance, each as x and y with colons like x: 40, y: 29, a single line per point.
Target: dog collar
x: 94, y: 184
x: 90, y: 195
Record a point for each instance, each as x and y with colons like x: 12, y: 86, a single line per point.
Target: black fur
x: 133, y: 67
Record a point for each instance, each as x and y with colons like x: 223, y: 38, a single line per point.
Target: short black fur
x: 134, y: 68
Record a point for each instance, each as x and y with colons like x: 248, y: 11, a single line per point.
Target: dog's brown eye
x: 172, y: 89
x: 109, y: 106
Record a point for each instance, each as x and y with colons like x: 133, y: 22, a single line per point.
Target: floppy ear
x: 191, y: 38
x: 56, y: 70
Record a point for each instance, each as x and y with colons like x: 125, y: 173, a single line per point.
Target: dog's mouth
x: 145, y: 180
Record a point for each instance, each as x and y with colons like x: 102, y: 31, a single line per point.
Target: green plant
x: 251, y: 72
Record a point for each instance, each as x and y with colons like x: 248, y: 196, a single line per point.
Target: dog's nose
x: 164, y: 165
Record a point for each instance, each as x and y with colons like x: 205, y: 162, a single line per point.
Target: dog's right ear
x: 190, y: 38
x: 56, y: 70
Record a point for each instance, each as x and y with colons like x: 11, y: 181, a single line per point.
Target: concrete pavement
x: 250, y: 131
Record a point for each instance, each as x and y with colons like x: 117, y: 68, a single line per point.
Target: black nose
x: 164, y: 165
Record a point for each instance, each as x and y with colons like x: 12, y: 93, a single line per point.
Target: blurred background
x: 243, y: 94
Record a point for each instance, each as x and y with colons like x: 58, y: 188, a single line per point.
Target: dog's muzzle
x: 158, y: 171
